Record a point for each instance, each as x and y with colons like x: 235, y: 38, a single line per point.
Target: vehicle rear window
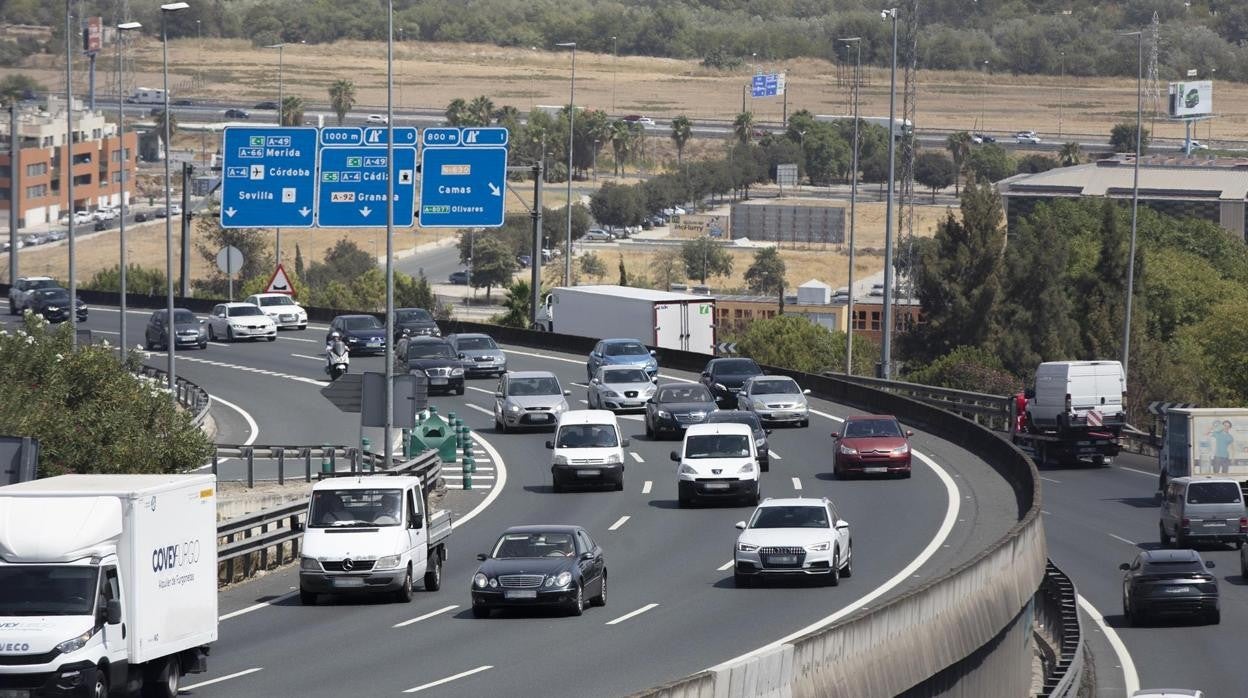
x: 475, y: 343
x: 735, y: 366
x: 414, y: 315
x: 625, y: 349
x: 790, y: 517
x: 363, y: 322
x: 625, y: 375
x: 430, y: 350
x: 276, y: 300
x: 241, y: 310
x: 533, y: 386
x: 685, y: 393
x: 1213, y: 493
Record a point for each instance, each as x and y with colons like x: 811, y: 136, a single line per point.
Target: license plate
x: 520, y: 594
x: 875, y: 470
x: 782, y: 559
x: 349, y: 582
x: 716, y: 485
x: 374, y: 342
x: 541, y: 418
x: 1215, y: 524
x: 587, y: 473
x: 437, y: 381
x: 14, y: 693
x: 1178, y: 590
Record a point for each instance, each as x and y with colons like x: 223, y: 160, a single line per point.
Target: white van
x: 718, y: 461
x: 1081, y: 394
x: 588, y: 449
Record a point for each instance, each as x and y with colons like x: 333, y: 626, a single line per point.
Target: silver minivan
x: 1197, y: 510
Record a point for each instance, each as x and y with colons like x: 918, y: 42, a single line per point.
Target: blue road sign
x: 403, y: 135
x: 352, y: 192
x: 767, y: 85
x: 342, y: 135
x: 463, y: 186
x: 270, y: 177
x: 758, y: 87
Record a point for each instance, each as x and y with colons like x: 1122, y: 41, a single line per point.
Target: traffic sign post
x: 352, y: 192
x: 463, y: 177
x: 280, y: 282
x: 767, y: 85
x: 269, y: 177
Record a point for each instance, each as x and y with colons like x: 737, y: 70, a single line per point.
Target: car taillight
x: 1186, y: 523
x: 1243, y: 524
x: 1067, y: 402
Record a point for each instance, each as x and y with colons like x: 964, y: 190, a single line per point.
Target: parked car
x: 417, y: 321
x: 753, y: 422
x: 1169, y: 583
x: 871, y: 444
x: 675, y: 407
x: 619, y: 388
x: 363, y: 334
x: 621, y: 352
x: 724, y: 378
x: 235, y: 321
x: 1026, y: 137
x: 528, y: 399
x: 282, y: 308
x: 524, y: 260
x: 105, y: 214
x: 1200, y: 510
x: 52, y: 304
x: 531, y: 566
x: 717, y: 462
x: 188, y: 330
x: 20, y: 292
x: 596, y: 235
x: 479, y: 354
x: 182, y: 102
x: 588, y: 449
x: 800, y: 537
x: 437, y: 359
x: 236, y: 114
x: 459, y: 278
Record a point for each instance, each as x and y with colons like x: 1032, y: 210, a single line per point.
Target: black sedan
x: 1169, y: 583
x: 724, y: 378
x: 417, y: 320
x: 458, y: 278
x: 437, y: 359
x: 675, y: 406
x: 53, y: 304
x: 751, y: 420
x: 188, y: 330
x: 551, y: 566
x: 363, y: 334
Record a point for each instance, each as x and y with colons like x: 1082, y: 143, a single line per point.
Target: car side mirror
x: 654, y: 379
x: 587, y: 556
x: 482, y: 557
x: 593, y: 381
x: 767, y: 432
x: 653, y: 353
x: 201, y: 321
x: 706, y: 375
x: 550, y: 444
x: 624, y: 443
x: 567, y: 393
x: 842, y: 525
x: 806, y: 391
x: 1209, y: 564
x: 909, y: 433
x: 836, y: 437
x: 112, y: 612
x: 740, y: 525
x: 1124, y: 566
x: 463, y: 356
x: 1029, y: 393
x: 498, y: 395
x: 674, y: 456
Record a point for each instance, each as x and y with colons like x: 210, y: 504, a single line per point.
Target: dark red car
x: 872, y: 444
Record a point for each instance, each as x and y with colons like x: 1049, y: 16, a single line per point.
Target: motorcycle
x: 336, y: 364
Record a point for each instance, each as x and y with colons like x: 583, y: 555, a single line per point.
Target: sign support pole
x: 535, y: 293
x: 385, y: 447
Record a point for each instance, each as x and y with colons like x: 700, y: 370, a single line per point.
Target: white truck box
x: 147, y: 95
x: 658, y: 318
x: 1198, y: 443
x: 1079, y: 394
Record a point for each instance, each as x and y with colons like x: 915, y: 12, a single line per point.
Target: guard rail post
x: 214, y: 462
x: 249, y: 454
x: 307, y: 464
x: 281, y: 465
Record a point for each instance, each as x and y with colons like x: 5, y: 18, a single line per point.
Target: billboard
x: 1191, y: 98
x: 92, y: 35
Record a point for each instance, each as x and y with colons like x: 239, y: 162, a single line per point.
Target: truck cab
x: 371, y: 535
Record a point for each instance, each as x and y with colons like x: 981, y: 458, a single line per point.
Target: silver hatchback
x: 528, y: 399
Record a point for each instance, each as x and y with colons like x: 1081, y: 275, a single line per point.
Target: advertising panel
x: 1191, y: 98
x: 92, y: 35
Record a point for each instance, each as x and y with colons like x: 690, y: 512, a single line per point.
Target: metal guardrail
x: 189, y: 395
x: 1057, y: 619
x: 358, y: 461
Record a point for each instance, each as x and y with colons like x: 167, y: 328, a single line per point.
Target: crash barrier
x: 1060, y: 629
x: 191, y: 397
x: 324, y: 460
x: 258, y: 541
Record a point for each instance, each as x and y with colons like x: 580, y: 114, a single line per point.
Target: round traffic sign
x: 230, y: 260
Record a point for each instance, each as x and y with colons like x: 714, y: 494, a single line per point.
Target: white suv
x: 717, y: 461
x: 282, y: 308
x: 797, y: 536
x: 589, y: 449
x: 20, y: 292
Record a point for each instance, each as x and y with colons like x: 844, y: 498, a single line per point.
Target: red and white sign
x: 1095, y: 419
x: 92, y: 35
x: 280, y: 283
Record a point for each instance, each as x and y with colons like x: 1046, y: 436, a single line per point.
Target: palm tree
x: 507, y: 116
x: 342, y: 98
x: 14, y: 87
x: 959, y: 146
x: 160, y: 125
x: 456, y: 112
x: 743, y: 125
x: 1069, y: 154
x: 682, y: 131
x: 621, y: 143
x: 292, y: 110
x: 481, y: 111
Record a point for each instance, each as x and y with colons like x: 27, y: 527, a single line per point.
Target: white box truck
x: 107, y: 582
x: 658, y: 318
x: 147, y: 95
x: 1208, y: 442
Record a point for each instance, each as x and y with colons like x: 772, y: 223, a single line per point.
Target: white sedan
x: 235, y: 321
x: 282, y: 308
x: 801, y: 536
x: 376, y: 118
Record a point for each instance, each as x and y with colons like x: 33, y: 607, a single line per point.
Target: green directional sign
x: 256, y: 141
x: 329, y: 176
x: 355, y: 161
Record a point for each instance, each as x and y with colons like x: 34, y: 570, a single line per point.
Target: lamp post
x: 853, y: 201
x: 615, y: 61
x: 567, y: 261
x: 594, y: 167
x: 1135, y: 197
x: 983, y: 125
x: 277, y: 241
x: 887, y: 315
x: 69, y: 176
x: 387, y: 444
x: 121, y: 139
x: 1061, y: 94
x: 171, y: 336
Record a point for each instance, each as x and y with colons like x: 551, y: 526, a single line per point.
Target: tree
x: 457, y: 113
x: 1070, y: 154
x: 1034, y: 163
x: 990, y: 163
x: 704, y: 257
x: 211, y: 237
x: 668, y: 265
x: 1122, y: 139
x: 959, y: 147
x: 766, y: 274
x: 341, y: 98
x: 159, y: 118
x: 16, y: 87
x: 793, y: 342
x: 413, y: 292
x: 968, y: 368
x: 682, y: 131
x: 616, y: 205
x: 493, y: 264
x: 518, y: 305
x: 935, y: 171
x: 623, y: 272
x: 292, y: 110
x: 743, y: 127
x: 480, y: 111
x: 621, y: 143
x: 592, y: 265
x: 140, y: 281
x: 298, y: 260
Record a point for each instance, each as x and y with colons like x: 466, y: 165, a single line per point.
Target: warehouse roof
x: 1161, y: 177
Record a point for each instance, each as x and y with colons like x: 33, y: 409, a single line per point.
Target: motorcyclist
x: 336, y: 352
x: 400, y: 350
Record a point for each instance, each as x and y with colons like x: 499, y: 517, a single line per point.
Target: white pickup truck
x: 20, y: 292
x: 371, y: 535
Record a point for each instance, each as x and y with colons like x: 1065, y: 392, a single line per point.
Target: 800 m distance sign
x: 463, y: 177
x: 269, y: 177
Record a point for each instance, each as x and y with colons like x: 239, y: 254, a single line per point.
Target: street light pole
x: 171, y: 326
x: 887, y: 315
x: 1061, y: 96
x: 277, y: 242
x: 615, y: 69
x: 567, y: 261
x: 1135, y: 198
x: 386, y: 445
x: 853, y: 201
x: 69, y: 176
x: 121, y: 138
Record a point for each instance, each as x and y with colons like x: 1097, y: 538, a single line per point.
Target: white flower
x: 21, y: 333
x: 59, y: 357
x: 104, y: 342
x: 30, y: 340
x: 138, y: 347
x: 4, y: 333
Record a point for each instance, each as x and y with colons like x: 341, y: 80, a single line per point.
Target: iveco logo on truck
x: 14, y: 647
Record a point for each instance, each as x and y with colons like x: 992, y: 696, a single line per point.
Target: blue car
x: 363, y: 334
x: 621, y: 352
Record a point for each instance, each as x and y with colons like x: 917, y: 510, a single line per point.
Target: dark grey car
x: 675, y: 406
x: 188, y: 330
x: 1170, y: 583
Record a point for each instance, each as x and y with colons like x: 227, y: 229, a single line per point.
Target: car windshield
x: 541, y: 544
x: 1213, y: 493
x: 356, y: 508
x: 47, y: 590
x: 362, y: 322
x: 183, y: 317
x: 55, y: 294
x: 414, y: 315
x: 430, y: 350
x: 625, y: 375
x: 542, y: 385
x: 733, y: 367
x: 717, y: 446
x: 685, y: 393
x: 775, y: 386
x: 790, y: 517
x: 626, y: 349
x: 276, y: 300
x: 866, y: 428
x: 475, y: 343
x: 241, y: 310
x: 41, y: 283
x: 587, y: 436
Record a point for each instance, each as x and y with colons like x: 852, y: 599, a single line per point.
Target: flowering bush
x: 90, y: 413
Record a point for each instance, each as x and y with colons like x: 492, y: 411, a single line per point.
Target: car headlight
x: 760, y: 405
x: 686, y: 469
x: 512, y: 407
x: 849, y: 450
x: 457, y: 371
x: 352, y: 340
x: 560, y: 580
x: 561, y: 460
x: 309, y: 564
x: 901, y: 450
x: 493, y: 583
x: 480, y: 581
x: 77, y: 643
x: 54, y: 308
x: 746, y: 547
x: 611, y: 393
x: 388, y: 562
x: 560, y: 407
x: 614, y: 459
x: 664, y: 414
x: 747, y: 468
x: 818, y: 546
x: 721, y: 387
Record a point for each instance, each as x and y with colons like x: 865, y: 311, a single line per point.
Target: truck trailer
x: 1206, y: 443
x: 661, y: 319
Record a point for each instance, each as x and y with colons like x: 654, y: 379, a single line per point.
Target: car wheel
x: 303, y: 327
x: 1243, y: 568
x: 619, y: 484
x: 1134, y: 616
x: 577, y: 607
x: 755, y: 498
x: 1214, y: 617
x: 1180, y: 540
x: 480, y: 611
x: 273, y: 338
x: 163, y: 683
x: 848, y: 570
x: 765, y: 467
x: 459, y: 390
x: 905, y: 475
x: 1165, y: 537
x: 100, y: 690
x: 683, y: 501
x: 834, y: 577
x: 212, y: 335
x: 229, y: 333
x: 12, y: 308
x: 307, y: 598
x: 649, y: 430
x: 601, y: 598
x: 433, y: 572
x: 742, y: 581
x: 500, y: 427
x: 203, y: 344
x: 404, y: 594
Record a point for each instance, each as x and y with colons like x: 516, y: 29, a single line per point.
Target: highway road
x: 673, y: 609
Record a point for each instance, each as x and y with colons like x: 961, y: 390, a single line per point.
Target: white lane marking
x: 297, y: 339
x: 1049, y: 479
x: 219, y: 344
x: 107, y: 332
x: 645, y: 487
x: 797, y: 483
x: 317, y: 359
x: 249, y: 369
x: 1124, y: 540
x: 825, y: 415
x: 543, y: 356
x: 903, y: 575
x: 726, y: 566
x: 256, y: 607
x: 632, y: 614
x: 636, y: 457
x: 251, y: 423
x: 584, y: 402
x: 427, y: 616
x: 1137, y: 470
x: 481, y: 390
x: 773, y: 455
x: 219, y: 679
x: 619, y: 522
x: 501, y: 479
x: 1129, y: 676
x: 449, y: 679
x: 474, y: 477
x: 458, y: 468
x: 479, y: 409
